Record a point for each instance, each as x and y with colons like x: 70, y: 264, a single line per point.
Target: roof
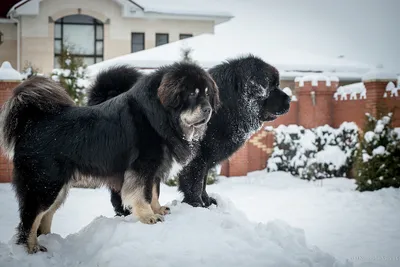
x: 209, y: 50
x: 5, y: 6
x: 143, y: 8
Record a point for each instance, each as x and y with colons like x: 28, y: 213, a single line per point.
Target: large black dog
x: 250, y: 95
x: 129, y: 143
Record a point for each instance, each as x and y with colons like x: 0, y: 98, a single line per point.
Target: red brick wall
x: 326, y: 110
x: 349, y: 110
x: 5, y: 165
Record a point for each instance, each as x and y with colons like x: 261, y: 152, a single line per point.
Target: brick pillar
x: 375, y: 83
x: 9, y: 79
x: 315, y: 100
x: 237, y: 164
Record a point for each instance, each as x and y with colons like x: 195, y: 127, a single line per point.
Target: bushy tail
x: 112, y: 82
x: 32, y: 98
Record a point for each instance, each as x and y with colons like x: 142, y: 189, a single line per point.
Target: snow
x: 263, y: 220
x: 314, y: 79
x: 369, y: 136
x: 379, y: 74
x: 211, y: 49
x: 332, y: 154
x: 380, y: 150
x: 7, y: 73
x: 353, y: 90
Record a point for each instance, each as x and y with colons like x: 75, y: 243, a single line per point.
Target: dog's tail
x: 112, y: 82
x: 30, y: 100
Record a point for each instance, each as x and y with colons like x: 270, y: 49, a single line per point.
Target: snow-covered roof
x: 176, y: 9
x: 7, y: 73
x: 209, y: 50
x: 379, y: 74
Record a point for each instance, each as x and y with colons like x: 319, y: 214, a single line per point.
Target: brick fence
x: 9, y: 79
x: 320, y: 101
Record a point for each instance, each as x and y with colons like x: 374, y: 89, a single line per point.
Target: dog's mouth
x: 200, y: 123
x: 270, y: 117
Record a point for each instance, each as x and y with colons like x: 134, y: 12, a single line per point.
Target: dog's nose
x: 206, y: 109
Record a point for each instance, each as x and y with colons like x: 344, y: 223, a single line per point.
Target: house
x: 211, y: 49
x: 34, y: 32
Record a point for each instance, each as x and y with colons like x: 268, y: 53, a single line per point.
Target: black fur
x: 250, y: 95
x: 55, y: 142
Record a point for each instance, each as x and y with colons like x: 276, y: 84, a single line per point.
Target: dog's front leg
x: 137, y: 192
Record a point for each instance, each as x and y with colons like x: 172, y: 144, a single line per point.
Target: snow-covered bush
x: 212, y: 178
x: 29, y: 71
x: 378, y: 156
x: 72, y: 75
x: 322, y: 152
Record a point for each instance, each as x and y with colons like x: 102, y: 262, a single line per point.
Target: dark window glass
x: 185, y: 35
x: 137, y: 41
x: 161, y: 39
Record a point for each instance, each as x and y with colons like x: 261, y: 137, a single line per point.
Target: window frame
x: 95, y: 23
x: 143, y: 39
x: 188, y: 35
x: 162, y: 34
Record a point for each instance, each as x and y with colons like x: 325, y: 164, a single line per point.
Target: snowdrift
x: 220, y: 236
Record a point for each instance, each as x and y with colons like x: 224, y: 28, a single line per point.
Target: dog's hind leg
x: 137, y: 193
x: 45, y: 225
x: 155, y: 204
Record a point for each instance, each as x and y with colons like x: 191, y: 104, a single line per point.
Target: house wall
x: 37, y: 43
x: 8, y: 49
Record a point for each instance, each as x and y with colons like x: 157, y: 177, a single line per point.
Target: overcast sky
x: 364, y: 30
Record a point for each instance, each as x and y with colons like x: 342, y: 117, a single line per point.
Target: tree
x: 71, y: 74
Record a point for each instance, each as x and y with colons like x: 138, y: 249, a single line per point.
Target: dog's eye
x: 195, y: 93
x: 206, y: 91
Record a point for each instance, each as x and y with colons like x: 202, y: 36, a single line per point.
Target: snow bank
x: 7, y: 73
x: 220, y: 236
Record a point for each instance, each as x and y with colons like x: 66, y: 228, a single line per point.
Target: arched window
x: 83, y: 34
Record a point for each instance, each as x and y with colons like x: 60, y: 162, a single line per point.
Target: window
x: 185, y: 35
x: 137, y: 41
x: 162, y: 38
x: 83, y: 34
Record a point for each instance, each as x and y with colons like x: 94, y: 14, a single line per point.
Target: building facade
x: 34, y: 32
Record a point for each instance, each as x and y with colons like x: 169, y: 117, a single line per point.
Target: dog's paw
x: 194, y: 203
x: 210, y: 201
x: 36, y: 248
x: 164, y: 210
x: 151, y: 219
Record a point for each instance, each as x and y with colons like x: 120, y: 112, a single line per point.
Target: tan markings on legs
x: 45, y: 225
x: 132, y: 194
x: 155, y: 204
x: 32, y: 242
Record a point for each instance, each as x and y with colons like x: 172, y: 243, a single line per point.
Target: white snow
x: 379, y: 75
x: 353, y: 90
x: 380, y: 150
x: 7, y: 73
x: 369, y: 136
x: 287, y: 91
x: 314, y: 79
x: 263, y: 220
x: 332, y: 154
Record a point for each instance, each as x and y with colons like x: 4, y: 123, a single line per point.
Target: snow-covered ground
x: 263, y: 220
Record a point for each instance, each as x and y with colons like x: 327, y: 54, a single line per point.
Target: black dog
x: 250, y: 95
x: 129, y: 143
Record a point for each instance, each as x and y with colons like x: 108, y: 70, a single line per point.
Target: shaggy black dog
x: 129, y: 143
x: 250, y: 95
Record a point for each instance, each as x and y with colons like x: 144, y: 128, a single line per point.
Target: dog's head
x: 190, y: 94
x: 262, y: 85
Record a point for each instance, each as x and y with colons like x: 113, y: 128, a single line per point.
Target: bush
x: 378, y: 156
x: 211, y: 178
x: 318, y: 153
x: 72, y: 75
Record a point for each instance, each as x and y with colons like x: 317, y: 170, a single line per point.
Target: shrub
x: 318, y: 153
x: 72, y: 75
x: 211, y: 178
x: 378, y: 156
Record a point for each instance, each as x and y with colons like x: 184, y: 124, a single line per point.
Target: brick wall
x: 6, y: 88
x: 309, y: 112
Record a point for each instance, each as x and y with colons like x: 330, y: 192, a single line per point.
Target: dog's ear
x: 213, y: 92
x: 169, y: 92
